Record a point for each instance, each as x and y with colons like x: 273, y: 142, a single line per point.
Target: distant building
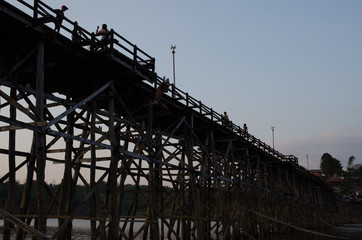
x: 335, y: 182
x: 317, y: 172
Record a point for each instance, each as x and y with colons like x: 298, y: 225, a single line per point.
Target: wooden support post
x: 182, y: 189
x: 93, y: 174
x: 154, y: 226
x: 11, y: 187
x: 27, y: 188
x: 66, y: 185
x: 35, y: 11
x: 194, y: 197
x: 205, y: 183
x: 40, y: 140
x: 158, y: 183
x: 114, y: 221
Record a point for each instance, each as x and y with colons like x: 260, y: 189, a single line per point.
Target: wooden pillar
x: 158, y: 183
x: 35, y: 13
x: 193, y: 182
x: 114, y: 221
x: 184, y: 222
x: 152, y: 217
x: 27, y: 188
x: 205, y: 190
x: 11, y: 187
x: 93, y: 174
x: 66, y: 185
x: 40, y: 140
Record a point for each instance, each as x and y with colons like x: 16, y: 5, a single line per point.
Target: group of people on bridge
x: 105, y: 40
x: 227, y: 123
x: 77, y: 33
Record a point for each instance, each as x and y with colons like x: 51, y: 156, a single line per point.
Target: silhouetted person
x: 76, y: 35
x: 59, y: 17
x: 225, y: 120
x: 104, y: 32
x: 245, y: 128
x: 158, y: 95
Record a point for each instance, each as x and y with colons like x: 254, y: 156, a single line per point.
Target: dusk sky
x: 294, y: 65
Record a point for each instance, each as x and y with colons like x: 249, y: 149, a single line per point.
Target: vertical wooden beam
x: 154, y: 226
x: 193, y: 183
x: 114, y: 221
x: 183, y: 189
x: 11, y: 187
x: 35, y: 13
x: 27, y: 188
x: 93, y: 174
x: 40, y: 140
x: 66, y: 185
x: 205, y: 183
x: 158, y: 183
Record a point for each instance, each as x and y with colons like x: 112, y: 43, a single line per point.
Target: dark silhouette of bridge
x: 88, y: 111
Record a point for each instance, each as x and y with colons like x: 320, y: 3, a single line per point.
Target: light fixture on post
x: 307, y: 161
x: 173, y: 47
x: 272, y: 128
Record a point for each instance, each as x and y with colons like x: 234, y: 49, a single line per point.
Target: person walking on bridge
x: 59, y: 17
x: 245, y: 128
x: 225, y: 120
x: 163, y: 88
x: 76, y: 33
x: 104, y: 32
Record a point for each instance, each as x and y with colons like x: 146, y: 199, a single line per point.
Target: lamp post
x: 173, y: 56
x: 272, y: 128
x: 307, y: 161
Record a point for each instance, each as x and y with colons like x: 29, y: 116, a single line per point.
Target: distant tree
x: 356, y: 170
x: 330, y: 166
x: 350, y: 162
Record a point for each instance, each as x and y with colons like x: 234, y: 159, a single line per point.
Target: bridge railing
x: 117, y: 42
x: 198, y: 106
x: 46, y: 14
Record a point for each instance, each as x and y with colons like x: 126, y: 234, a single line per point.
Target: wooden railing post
x: 135, y: 54
x: 93, y: 42
x: 35, y: 12
x: 111, y: 39
x: 153, y: 60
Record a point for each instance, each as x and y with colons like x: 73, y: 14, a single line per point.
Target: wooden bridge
x: 64, y: 103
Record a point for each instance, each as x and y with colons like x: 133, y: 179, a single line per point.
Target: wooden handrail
x: 191, y: 102
x: 118, y: 42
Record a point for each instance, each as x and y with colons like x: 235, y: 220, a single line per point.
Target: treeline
x: 352, y: 176
x: 80, y: 192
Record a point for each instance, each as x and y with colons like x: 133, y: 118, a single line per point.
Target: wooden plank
x: 9, y: 217
x: 18, y: 106
x: 14, y: 127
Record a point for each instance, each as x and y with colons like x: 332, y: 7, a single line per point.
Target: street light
x: 173, y: 54
x: 307, y: 161
x: 272, y: 128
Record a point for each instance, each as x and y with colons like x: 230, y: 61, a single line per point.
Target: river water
x: 347, y: 231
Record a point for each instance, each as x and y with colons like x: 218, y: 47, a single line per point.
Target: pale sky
x: 294, y: 65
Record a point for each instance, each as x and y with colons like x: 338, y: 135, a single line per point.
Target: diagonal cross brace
x: 72, y: 109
